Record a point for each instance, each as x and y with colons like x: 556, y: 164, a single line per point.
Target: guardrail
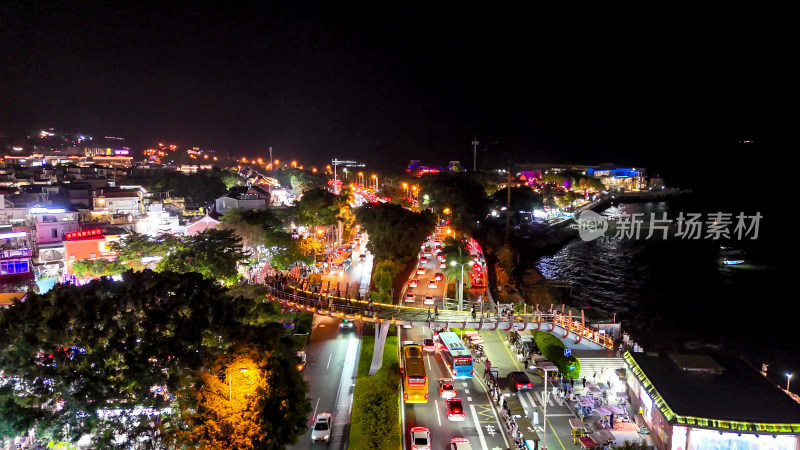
x: 365, y: 310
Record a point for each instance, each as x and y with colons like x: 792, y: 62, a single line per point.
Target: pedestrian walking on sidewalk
x: 584, y: 381
x: 572, y: 383
x: 429, y: 314
x: 436, y: 312
x: 473, y: 313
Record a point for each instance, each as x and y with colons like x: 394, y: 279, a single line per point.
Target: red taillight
x: 472, y: 372
x: 405, y: 396
x: 519, y: 385
x: 426, y: 396
x: 529, y: 384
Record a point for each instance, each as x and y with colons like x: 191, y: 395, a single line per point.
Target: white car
x: 421, y: 271
x: 428, y: 300
x: 460, y: 444
x: 420, y: 438
x: 322, y: 428
x: 432, y: 284
x: 409, y: 297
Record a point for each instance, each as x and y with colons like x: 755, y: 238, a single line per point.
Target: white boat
x: 732, y: 262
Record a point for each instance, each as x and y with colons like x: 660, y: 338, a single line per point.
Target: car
x: 443, y: 265
x: 413, y: 283
x: 428, y: 300
x: 460, y: 444
x: 477, y: 267
x: 438, y: 276
x: 362, y: 257
x: 346, y: 324
x: 446, y: 388
x: 322, y: 428
x: 300, y: 357
x: 437, y: 244
x: 455, y: 412
x: 519, y: 381
x: 424, y: 260
x: 440, y: 257
x: 421, y: 271
x: 409, y: 297
x: 422, y: 247
x: 432, y: 284
x: 420, y: 438
x: 428, y: 345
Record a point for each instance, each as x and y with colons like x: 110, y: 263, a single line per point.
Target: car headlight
x: 326, y: 436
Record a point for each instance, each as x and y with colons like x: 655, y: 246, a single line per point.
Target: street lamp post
x: 788, y: 379
x: 546, y: 367
x: 460, y: 289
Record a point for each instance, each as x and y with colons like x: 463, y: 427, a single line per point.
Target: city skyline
x: 388, y: 86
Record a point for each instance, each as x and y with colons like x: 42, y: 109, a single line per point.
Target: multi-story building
x: 119, y: 202
x: 16, y: 253
x: 629, y: 179
x: 242, y: 201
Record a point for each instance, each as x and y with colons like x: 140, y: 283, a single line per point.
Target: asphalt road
x: 331, y: 363
x: 358, y: 274
x: 481, y: 425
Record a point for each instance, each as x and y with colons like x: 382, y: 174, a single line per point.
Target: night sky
x: 386, y: 84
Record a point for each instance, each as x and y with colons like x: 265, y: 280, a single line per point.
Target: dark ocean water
x: 676, y: 294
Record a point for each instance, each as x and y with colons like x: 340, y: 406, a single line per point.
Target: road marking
x: 429, y: 365
x: 478, y: 427
x: 329, y: 361
x: 438, y: 417
x: 466, y: 391
x: 469, y: 399
x: 491, y: 405
x: 315, y: 409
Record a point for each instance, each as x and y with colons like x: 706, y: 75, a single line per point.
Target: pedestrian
x: 572, y: 382
x: 584, y: 381
x: 535, y: 418
x: 473, y: 313
x: 429, y: 313
x: 436, y: 312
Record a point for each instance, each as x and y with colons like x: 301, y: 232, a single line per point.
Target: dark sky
x: 391, y: 83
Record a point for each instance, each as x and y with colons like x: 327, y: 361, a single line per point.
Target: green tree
x: 201, y: 187
x: 385, y: 273
x: 379, y: 407
x: 148, y: 341
x: 88, y: 268
x: 214, y: 253
x: 132, y: 248
x: 317, y: 207
x: 395, y: 232
x: 522, y: 199
x: 462, y: 193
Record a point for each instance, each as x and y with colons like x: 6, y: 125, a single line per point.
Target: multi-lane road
x: 332, y: 359
x: 481, y: 425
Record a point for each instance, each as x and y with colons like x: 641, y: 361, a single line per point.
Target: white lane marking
x: 438, y: 417
x: 429, y: 365
x: 491, y: 404
x: 315, y: 409
x: 478, y: 427
x: 522, y: 400
x: 329, y: 361
x: 466, y: 391
x: 469, y: 399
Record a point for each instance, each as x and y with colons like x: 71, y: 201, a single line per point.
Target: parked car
x: 409, y: 297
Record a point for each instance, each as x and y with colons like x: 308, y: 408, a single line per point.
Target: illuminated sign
x: 15, y: 234
x: 121, y: 152
x: 40, y: 210
x: 84, y: 234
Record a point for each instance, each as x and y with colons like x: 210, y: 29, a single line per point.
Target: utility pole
x: 271, y: 161
x: 508, y: 207
x: 475, y: 153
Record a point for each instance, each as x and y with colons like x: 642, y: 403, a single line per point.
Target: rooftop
x: 719, y: 388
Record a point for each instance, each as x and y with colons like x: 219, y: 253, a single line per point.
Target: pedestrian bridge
x: 572, y: 330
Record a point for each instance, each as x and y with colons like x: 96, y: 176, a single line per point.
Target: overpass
x: 572, y: 330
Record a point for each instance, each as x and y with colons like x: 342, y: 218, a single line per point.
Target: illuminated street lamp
x: 277, y: 161
x: 788, y: 379
x: 294, y: 163
x: 230, y: 382
x: 375, y: 177
x: 360, y: 180
x: 405, y: 186
x: 446, y: 211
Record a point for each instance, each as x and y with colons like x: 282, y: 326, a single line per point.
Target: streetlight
x: 360, y: 178
x: 545, y: 367
x: 405, y: 186
x: 788, y: 379
x: 230, y: 382
x: 375, y: 177
x: 460, y: 284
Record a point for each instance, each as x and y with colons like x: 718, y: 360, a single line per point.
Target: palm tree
x: 456, y: 257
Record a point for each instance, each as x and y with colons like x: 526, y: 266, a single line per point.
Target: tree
x: 201, y: 187
x: 257, y: 228
x: 395, y: 232
x: 148, y: 341
x: 522, y: 199
x: 88, y: 268
x: 214, y: 253
x: 134, y: 247
x: 317, y: 207
x: 385, y: 273
x: 379, y: 409
x: 464, y: 195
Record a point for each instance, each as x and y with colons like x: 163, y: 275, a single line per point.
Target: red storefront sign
x: 84, y: 234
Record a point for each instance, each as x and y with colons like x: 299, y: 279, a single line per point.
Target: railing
x: 16, y: 253
x: 359, y: 309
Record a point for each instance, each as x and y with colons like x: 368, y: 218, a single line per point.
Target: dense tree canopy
x: 522, y: 199
x: 152, y: 340
x: 201, y: 187
x: 317, y: 207
x: 214, y: 253
x: 395, y: 232
x: 465, y: 196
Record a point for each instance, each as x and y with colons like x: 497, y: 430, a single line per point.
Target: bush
x: 553, y: 349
